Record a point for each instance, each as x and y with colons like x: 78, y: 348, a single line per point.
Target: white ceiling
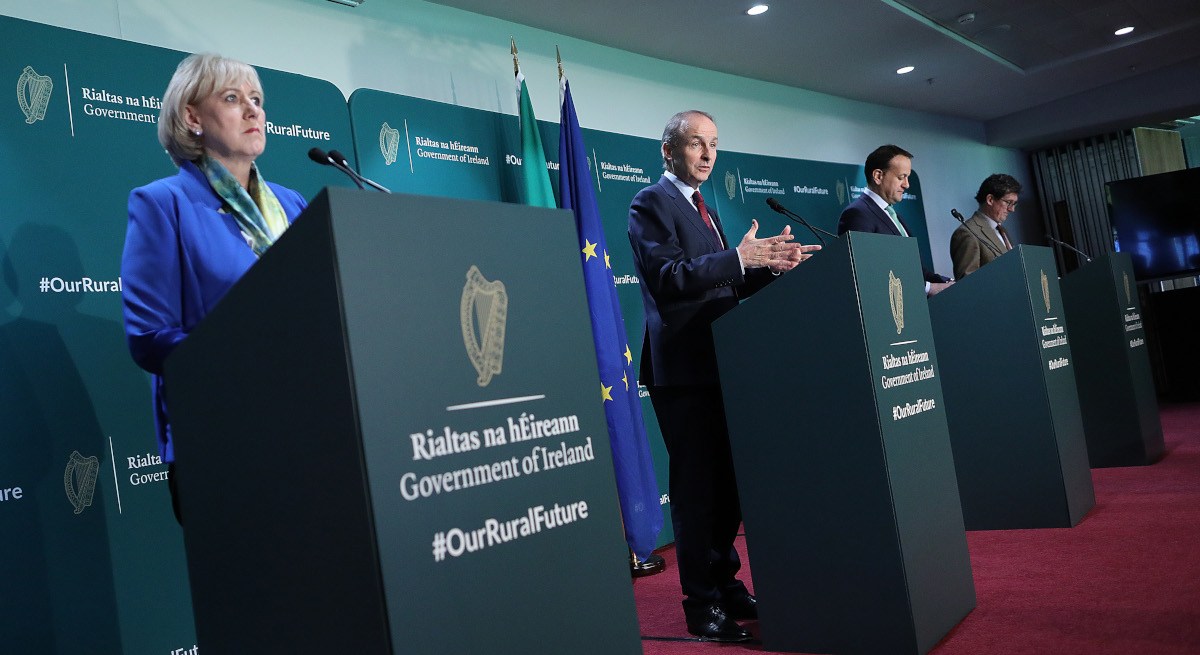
x: 1016, y: 59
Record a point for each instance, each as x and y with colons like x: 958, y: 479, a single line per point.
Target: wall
x: 1191, y: 144
x: 430, y: 51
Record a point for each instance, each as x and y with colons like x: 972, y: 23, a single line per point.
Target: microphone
x: 320, y: 156
x: 980, y: 239
x: 774, y: 204
x: 1068, y: 246
x: 339, y: 158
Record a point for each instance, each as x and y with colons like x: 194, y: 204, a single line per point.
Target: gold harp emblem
x: 1128, y: 298
x: 389, y: 143
x: 1046, y: 291
x: 33, y: 94
x: 483, y: 313
x: 79, y: 480
x: 896, y: 299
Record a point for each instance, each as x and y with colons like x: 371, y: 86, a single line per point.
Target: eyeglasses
x: 1012, y: 204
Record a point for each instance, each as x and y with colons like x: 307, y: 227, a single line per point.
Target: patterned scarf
x: 257, y: 210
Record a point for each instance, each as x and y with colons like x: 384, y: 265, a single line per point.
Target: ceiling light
x: 348, y: 3
x: 756, y: 10
x: 906, y: 69
x: 1123, y: 31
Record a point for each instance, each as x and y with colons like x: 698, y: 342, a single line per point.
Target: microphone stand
x: 1068, y: 246
x: 323, y: 158
x: 799, y: 219
x: 338, y: 157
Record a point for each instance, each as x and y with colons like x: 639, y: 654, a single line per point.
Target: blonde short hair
x: 197, y: 77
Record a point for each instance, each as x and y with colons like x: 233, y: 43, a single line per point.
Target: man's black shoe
x: 642, y: 567
x: 743, y: 607
x: 710, y: 624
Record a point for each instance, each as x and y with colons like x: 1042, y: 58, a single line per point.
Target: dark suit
x: 688, y: 279
x: 864, y: 215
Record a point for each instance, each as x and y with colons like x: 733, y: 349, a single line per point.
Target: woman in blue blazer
x: 191, y: 236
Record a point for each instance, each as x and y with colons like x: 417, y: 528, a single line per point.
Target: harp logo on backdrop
x: 841, y: 192
x: 1128, y: 297
x: 730, y: 184
x: 483, y: 312
x: 389, y: 143
x: 79, y: 480
x: 33, y: 94
x: 896, y: 300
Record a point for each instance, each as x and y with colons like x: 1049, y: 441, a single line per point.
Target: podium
x: 386, y: 443
x: 1011, y: 400
x: 836, y: 419
x: 1112, y: 367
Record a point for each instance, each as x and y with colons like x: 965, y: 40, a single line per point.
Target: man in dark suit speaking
x: 690, y: 275
x: 888, y: 169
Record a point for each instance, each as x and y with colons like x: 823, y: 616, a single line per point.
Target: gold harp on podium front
x: 483, y: 313
x: 896, y: 300
x: 1046, y: 291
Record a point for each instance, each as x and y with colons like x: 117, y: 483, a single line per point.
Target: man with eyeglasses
x: 997, y: 198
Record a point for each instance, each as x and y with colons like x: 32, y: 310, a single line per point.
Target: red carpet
x: 1125, y: 581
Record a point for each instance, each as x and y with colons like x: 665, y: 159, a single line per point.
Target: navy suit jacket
x: 182, y: 253
x: 688, y: 279
x: 864, y: 215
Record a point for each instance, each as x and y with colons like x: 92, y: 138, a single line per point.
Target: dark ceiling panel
x: 851, y: 48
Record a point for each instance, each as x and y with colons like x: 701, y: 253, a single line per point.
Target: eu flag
x: 636, y: 484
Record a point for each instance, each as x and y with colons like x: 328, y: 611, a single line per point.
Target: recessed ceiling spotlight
x: 1123, y: 31
x: 757, y: 9
x: 906, y: 69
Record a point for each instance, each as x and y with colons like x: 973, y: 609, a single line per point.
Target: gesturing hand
x: 774, y: 252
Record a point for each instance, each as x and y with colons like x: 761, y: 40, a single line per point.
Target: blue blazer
x: 183, y: 251
x: 864, y: 215
x: 688, y: 279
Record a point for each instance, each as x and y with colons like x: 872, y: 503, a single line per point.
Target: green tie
x: 896, y: 220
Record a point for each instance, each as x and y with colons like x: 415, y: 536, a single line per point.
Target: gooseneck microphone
x: 339, y: 158
x: 322, y: 158
x: 979, y: 238
x: 774, y: 204
x: 1068, y: 246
